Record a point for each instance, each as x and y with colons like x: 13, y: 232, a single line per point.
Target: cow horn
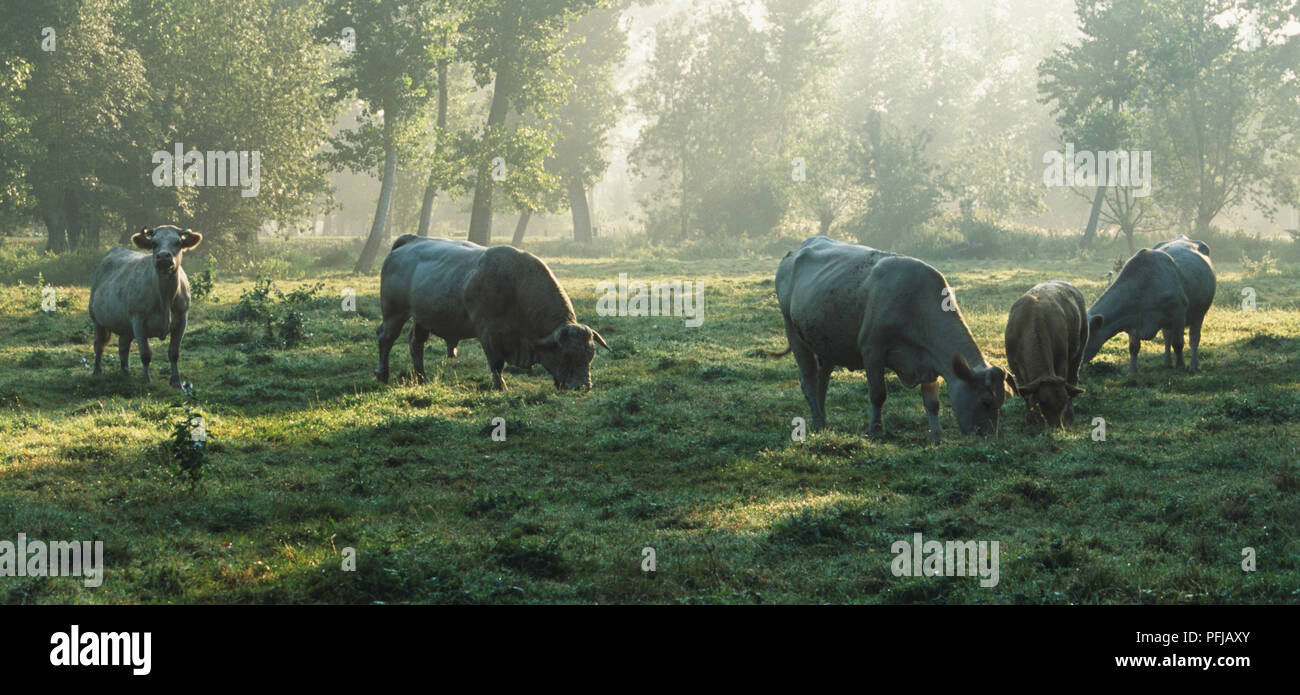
x: 600, y: 340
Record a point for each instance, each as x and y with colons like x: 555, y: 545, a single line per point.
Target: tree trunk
x: 379, y: 228
x: 74, y: 213
x: 56, y: 235
x: 430, y: 188
x: 54, y: 215
x: 426, y: 207
x: 1091, y: 231
x: 824, y: 225
x: 581, y: 214
x: 480, y: 221
x: 520, y: 228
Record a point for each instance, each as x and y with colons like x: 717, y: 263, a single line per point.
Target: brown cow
x: 1046, y: 333
x: 507, y: 298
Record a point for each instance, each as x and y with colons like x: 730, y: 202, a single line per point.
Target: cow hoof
x: 382, y: 376
x: 175, y: 381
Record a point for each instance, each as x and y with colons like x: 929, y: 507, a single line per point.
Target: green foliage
x: 905, y: 188
x: 201, y: 283
x: 280, y: 314
x: 96, y: 112
x: 719, y: 113
x: 186, y: 450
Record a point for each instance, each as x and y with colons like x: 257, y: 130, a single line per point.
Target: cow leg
x: 497, y: 365
x: 1169, y: 349
x: 146, y: 354
x: 123, y: 350
x: 451, y: 347
x: 809, y: 383
x: 876, y: 391
x: 823, y: 385
x: 1194, y: 339
x: 1134, y: 347
x: 930, y: 397
x: 101, y: 337
x: 1175, y: 338
x: 174, y: 346
x: 388, y: 330
x: 419, y: 334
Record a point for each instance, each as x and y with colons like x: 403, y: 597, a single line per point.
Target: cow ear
x: 190, y: 239
x: 961, y: 368
x: 143, y: 239
x: 1095, y: 323
x: 1073, y: 390
x: 547, y: 343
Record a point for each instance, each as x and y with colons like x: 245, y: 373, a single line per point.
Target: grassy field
x: 683, y: 445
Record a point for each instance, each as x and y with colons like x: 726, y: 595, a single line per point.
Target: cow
x: 1148, y: 296
x: 506, y: 298
x: 1197, y: 273
x: 142, y: 296
x: 852, y: 306
x: 1046, y: 332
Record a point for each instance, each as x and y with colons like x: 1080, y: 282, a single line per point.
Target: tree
x: 905, y: 186
x: 100, y: 104
x: 828, y: 185
x: 1224, y: 102
x: 721, y: 95
x: 596, y: 49
x: 1093, y: 83
x: 80, y: 103
x: 234, y: 78
x: 16, y: 146
x: 392, y: 70
x: 512, y: 45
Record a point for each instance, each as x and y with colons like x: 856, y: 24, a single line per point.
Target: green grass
x: 683, y: 445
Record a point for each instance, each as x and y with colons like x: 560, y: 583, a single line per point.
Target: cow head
x: 977, y: 395
x: 168, y: 245
x: 1049, y: 396
x: 567, y: 353
x: 1095, y: 337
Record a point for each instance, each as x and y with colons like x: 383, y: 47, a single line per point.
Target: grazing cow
x: 1046, y: 332
x: 1197, y: 273
x: 1147, y: 297
x: 852, y: 306
x: 143, y: 296
x: 506, y: 298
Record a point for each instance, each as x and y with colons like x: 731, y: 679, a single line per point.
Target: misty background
x: 724, y: 124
